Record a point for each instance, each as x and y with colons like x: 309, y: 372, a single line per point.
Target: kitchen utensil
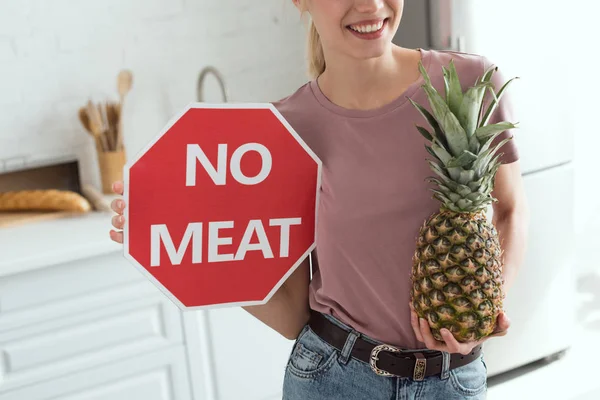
x: 112, y: 117
x: 96, y: 125
x: 99, y: 201
x: 106, y: 124
x: 85, y: 121
x: 124, y: 84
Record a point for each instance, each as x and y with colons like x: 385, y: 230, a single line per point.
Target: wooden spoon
x: 85, y: 121
x: 124, y: 84
x: 96, y: 124
x: 113, y: 122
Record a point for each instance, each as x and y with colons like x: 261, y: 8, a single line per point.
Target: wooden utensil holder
x: 111, y: 165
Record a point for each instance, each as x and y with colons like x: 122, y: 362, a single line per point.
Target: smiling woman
x: 374, y: 28
x: 353, y: 331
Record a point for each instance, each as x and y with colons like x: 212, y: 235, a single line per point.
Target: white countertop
x: 46, y: 243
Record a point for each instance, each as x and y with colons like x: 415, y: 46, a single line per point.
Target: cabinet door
x: 69, y: 318
x: 158, y: 375
x: 235, y: 355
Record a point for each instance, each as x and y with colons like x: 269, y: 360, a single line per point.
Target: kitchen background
x: 55, y: 55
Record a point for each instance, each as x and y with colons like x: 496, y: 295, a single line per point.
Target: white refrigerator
x: 541, y: 302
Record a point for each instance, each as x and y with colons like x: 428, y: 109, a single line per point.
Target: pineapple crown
x: 461, y: 140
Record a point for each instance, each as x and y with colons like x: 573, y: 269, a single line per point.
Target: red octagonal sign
x: 221, y: 206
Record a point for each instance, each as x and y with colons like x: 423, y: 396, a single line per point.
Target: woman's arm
x: 511, y: 218
x: 287, y: 311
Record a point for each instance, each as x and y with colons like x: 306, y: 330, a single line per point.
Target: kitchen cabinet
x: 78, y: 321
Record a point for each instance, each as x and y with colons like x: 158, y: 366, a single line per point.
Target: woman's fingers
x: 118, y: 221
x: 449, y: 343
x: 424, y: 335
x: 450, y: 340
x: 502, y: 324
x: 116, y: 236
x: 117, y: 205
x: 117, y: 187
x: 414, y: 321
x: 428, y: 338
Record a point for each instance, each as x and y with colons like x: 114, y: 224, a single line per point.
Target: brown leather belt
x: 388, y: 360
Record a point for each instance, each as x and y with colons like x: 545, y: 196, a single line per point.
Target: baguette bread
x: 46, y: 199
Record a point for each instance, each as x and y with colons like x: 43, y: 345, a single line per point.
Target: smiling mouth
x: 368, y: 27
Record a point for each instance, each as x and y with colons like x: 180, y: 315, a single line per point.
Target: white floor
x: 575, y: 376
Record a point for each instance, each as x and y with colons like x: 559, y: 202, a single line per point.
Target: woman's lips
x: 369, y: 35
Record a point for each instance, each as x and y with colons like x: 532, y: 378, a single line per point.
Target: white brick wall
x: 54, y: 55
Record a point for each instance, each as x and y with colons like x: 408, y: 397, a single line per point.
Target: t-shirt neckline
x: 397, y: 102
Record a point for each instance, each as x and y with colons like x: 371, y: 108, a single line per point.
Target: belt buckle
x: 420, y: 364
x: 373, y: 359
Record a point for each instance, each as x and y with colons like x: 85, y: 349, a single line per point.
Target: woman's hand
x: 450, y: 344
x: 118, y: 221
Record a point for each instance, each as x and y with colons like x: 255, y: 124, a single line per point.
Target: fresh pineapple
x: 456, y: 277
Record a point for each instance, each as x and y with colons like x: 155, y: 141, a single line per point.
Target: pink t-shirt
x: 374, y: 197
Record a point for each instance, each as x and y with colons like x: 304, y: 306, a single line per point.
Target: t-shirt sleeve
x: 504, y: 112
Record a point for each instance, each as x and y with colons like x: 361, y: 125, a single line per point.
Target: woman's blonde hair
x: 316, y: 58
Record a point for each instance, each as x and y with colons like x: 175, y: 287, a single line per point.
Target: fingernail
x: 121, y: 218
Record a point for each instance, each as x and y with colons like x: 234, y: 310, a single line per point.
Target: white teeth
x: 367, y: 28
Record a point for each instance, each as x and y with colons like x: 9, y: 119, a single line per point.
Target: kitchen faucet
x: 200, y: 85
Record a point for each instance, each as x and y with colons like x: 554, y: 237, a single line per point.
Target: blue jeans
x: 318, y: 371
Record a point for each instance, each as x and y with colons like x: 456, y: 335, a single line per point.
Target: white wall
x: 54, y: 55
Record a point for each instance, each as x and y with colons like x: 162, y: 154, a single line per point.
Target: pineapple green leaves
x: 449, y: 124
x: 453, y: 89
x: 460, y: 139
x: 495, y: 101
x: 467, y: 113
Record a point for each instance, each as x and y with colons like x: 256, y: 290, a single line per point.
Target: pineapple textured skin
x: 457, y: 275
